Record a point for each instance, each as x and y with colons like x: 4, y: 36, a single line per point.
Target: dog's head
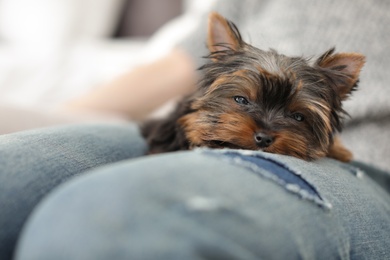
x: 261, y: 100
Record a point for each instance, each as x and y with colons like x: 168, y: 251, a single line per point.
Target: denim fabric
x: 279, y: 172
x: 34, y: 162
x: 210, y: 204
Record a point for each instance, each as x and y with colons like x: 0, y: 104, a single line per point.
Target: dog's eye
x: 241, y: 100
x: 298, y: 116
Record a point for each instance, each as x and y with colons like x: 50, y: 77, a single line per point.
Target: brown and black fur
x: 261, y: 100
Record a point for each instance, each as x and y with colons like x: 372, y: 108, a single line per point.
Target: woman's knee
x: 206, y: 202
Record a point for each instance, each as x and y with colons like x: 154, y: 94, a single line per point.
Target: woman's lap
x: 187, y: 205
x: 32, y: 163
x: 214, y: 205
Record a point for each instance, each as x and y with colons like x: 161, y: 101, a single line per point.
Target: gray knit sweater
x: 309, y: 28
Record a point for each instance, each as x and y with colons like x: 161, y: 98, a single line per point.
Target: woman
x: 205, y: 203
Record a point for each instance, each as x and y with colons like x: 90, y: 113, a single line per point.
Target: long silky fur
x: 277, y: 84
x: 166, y: 135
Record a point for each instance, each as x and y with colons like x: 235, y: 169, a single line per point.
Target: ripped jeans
x: 56, y: 203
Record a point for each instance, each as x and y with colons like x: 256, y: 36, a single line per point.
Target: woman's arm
x: 137, y: 93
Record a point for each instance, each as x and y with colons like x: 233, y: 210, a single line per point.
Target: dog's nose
x: 263, y: 140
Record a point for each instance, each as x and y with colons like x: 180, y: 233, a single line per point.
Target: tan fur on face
x: 246, y: 93
x: 288, y: 143
x: 232, y: 128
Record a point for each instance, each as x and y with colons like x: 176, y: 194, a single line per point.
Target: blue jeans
x: 202, y: 204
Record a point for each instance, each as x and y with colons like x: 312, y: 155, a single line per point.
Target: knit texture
x: 309, y: 28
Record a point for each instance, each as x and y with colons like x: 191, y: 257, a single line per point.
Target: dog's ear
x: 222, y: 34
x: 342, y: 70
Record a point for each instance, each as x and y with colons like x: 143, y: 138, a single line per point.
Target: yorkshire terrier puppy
x: 261, y: 100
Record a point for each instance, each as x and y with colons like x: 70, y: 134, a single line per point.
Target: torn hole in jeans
x: 273, y: 170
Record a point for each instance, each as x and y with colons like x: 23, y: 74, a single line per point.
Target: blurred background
x: 53, y: 50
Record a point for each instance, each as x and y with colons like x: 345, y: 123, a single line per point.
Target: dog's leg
x: 166, y: 135
x: 338, y: 151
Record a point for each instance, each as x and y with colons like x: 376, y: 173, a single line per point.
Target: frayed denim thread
x: 356, y: 171
x: 272, y: 169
